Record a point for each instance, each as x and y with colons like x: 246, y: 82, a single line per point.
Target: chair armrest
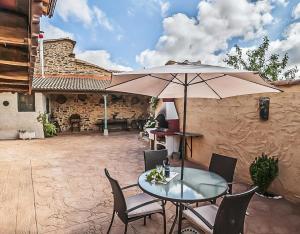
x: 208, y: 224
x: 141, y: 205
x: 129, y: 186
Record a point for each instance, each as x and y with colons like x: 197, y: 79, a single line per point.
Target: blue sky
x: 127, y: 34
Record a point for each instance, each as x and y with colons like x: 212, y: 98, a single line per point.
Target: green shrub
x: 263, y: 171
x: 49, y: 128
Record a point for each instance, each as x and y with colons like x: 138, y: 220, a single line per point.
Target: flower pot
x: 27, y: 135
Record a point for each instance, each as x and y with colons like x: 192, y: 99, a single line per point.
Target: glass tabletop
x: 197, y: 185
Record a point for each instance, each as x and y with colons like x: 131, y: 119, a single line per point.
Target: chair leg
x: 125, y: 228
x: 111, y: 222
x: 145, y: 222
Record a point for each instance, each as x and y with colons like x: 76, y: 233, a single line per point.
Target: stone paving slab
x: 58, y: 185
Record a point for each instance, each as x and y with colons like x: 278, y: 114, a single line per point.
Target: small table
x: 191, y: 136
x: 197, y: 186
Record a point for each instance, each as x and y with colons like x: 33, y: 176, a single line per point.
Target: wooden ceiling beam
x: 15, y: 33
x: 15, y: 77
x: 13, y: 63
x: 13, y: 41
x: 10, y: 84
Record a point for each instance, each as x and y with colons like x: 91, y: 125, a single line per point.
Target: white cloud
x: 101, y: 58
x: 120, y: 37
x: 164, y: 7
x: 289, y: 44
x: 201, y: 38
x: 52, y: 32
x: 79, y: 9
x: 83, y: 13
x: 130, y: 12
x: 150, y: 7
x: 281, y: 2
x: 296, y: 11
x: 102, y: 19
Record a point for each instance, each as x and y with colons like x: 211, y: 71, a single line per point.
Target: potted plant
x: 49, y: 128
x: 24, y: 134
x: 263, y: 171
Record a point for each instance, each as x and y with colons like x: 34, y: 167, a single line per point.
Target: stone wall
x: 232, y: 127
x: 59, y: 58
x: 91, y: 110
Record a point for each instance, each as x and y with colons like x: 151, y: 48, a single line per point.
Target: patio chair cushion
x: 141, y: 198
x: 208, y: 212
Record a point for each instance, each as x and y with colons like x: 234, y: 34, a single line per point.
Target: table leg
x: 175, y: 219
x: 180, y: 219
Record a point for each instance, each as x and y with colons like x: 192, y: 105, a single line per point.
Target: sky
x: 129, y: 34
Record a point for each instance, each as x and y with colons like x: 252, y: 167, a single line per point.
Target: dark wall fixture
x: 61, y: 99
x: 5, y: 103
x: 264, y: 104
x: 82, y: 97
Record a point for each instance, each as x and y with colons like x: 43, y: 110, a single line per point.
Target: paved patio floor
x: 58, y: 185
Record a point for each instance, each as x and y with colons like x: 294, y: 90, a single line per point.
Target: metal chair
x: 223, y: 166
x: 153, y: 158
x: 134, y: 207
x: 228, y: 218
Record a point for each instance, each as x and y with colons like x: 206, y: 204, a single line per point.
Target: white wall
x: 11, y: 120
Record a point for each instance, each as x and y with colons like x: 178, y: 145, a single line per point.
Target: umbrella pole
x: 184, y: 125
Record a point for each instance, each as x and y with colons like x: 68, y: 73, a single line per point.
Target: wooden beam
x: 13, y: 63
x: 13, y: 41
x: 13, y: 19
x: 13, y: 32
x: 13, y: 78
x: 12, y: 53
x: 13, y: 84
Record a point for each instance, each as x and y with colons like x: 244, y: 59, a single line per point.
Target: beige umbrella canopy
x: 190, y: 80
x: 203, y: 81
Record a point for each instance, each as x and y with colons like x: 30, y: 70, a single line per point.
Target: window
x: 26, y: 103
x: 47, y: 105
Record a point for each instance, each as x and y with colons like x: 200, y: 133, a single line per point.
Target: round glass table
x: 197, y: 186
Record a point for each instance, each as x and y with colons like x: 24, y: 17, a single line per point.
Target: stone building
x: 68, y: 86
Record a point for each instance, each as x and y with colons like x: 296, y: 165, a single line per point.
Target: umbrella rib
x: 209, y: 86
x: 193, y: 79
x: 128, y: 81
x: 167, y: 85
x: 174, y: 75
x: 207, y: 79
x: 165, y: 79
x: 257, y: 83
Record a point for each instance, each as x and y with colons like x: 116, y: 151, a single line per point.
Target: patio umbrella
x: 189, y: 80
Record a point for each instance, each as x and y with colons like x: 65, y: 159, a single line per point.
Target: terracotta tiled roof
x: 69, y: 84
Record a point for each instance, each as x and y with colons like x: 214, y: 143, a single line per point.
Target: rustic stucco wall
x: 92, y: 109
x: 232, y: 127
x: 59, y: 58
x: 11, y: 121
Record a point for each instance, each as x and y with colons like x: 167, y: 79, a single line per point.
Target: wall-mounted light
x: 5, y: 103
x: 264, y: 104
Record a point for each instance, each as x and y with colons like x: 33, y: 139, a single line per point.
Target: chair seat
x: 208, y: 212
x: 139, y: 199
